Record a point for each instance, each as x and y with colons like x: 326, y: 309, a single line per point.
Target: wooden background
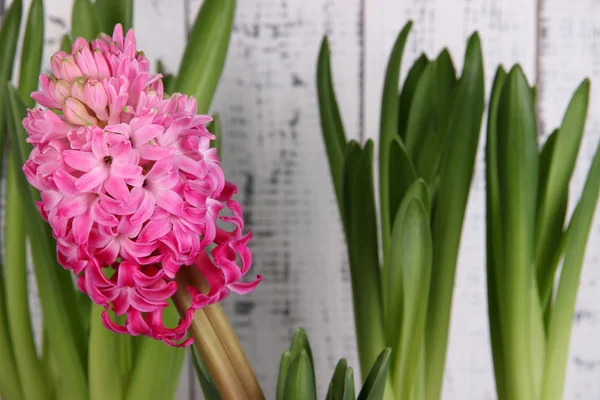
x: 273, y: 150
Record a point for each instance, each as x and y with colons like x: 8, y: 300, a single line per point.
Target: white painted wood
x: 569, y: 41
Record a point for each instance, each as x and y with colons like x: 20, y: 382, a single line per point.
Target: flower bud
x: 62, y: 90
x: 77, y: 114
x: 101, y: 64
x: 95, y: 97
x: 55, y: 62
x: 86, y: 62
x: 69, y: 69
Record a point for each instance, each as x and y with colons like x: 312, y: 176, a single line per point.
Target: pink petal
x: 123, y: 170
x: 82, y: 225
x: 80, y: 160
x: 154, y: 152
x: 91, y: 179
x: 144, y: 210
x: 170, y: 201
x: 117, y: 188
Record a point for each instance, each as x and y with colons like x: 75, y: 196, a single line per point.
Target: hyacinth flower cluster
x: 132, y: 188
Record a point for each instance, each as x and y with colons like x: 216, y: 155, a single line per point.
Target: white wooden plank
x: 569, y: 42
x: 273, y: 150
x: 507, y: 31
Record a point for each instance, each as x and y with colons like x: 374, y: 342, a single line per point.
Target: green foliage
x: 296, y: 379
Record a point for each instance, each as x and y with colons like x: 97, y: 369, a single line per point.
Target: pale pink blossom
x: 131, y: 187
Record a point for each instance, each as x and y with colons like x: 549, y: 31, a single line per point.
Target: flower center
x: 108, y: 159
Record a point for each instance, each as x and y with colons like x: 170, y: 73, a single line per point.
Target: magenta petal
x: 245, y: 287
x: 144, y: 210
x: 113, y: 326
x: 82, y: 225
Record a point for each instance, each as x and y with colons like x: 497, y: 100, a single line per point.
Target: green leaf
x: 430, y: 149
x: 9, y: 36
x: 301, y: 343
x: 215, y: 128
x: 299, y: 383
x: 31, y: 56
x: 331, y: 121
x: 10, y: 383
x: 341, y: 386
x: 104, y: 359
x: 17, y: 298
x: 66, y: 43
x: 388, y: 129
x: 547, y: 270
x: 209, y: 389
x: 560, y: 158
x: 421, y: 120
x: 561, y: 319
x: 363, y: 252
x: 402, y: 175
x: 494, y: 235
x: 63, y: 326
x: 517, y: 156
x: 374, y: 386
x: 456, y: 173
x: 407, y: 93
x: 284, y: 367
x: 410, y: 267
x: 392, y: 273
x: 207, y: 45
x: 84, y: 20
x: 113, y: 12
x: 155, y: 358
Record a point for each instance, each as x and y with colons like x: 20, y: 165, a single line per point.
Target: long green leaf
x: 455, y: 181
x: 374, y: 386
x: 517, y: 156
x: 430, y: 149
x: 301, y: 343
x: 284, y: 367
x: 561, y: 319
x: 546, y: 273
x: 494, y: 235
x: 553, y: 198
x: 104, y: 354
x: 155, y: 358
x: 31, y: 56
x: 17, y: 295
x: 84, y: 20
x: 113, y: 12
x: 207, y: 45
x: 56, y: 317
x: 299, y: 384
x: 9, y: 36
x: 388, y: 129
x: 411, y: 256
x: 421, y: 120
x: 215, y: 128
x: 209, y: 389
x: 341, y: 386
x: 407, y: 93
x: 363, y: 252
x: 10, y: 383
x: 331, y: 121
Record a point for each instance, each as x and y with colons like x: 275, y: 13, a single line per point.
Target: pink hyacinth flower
x: 131, y: 187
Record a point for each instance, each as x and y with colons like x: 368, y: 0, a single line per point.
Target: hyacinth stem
x: 228, y: 338
x: 207, y: 341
